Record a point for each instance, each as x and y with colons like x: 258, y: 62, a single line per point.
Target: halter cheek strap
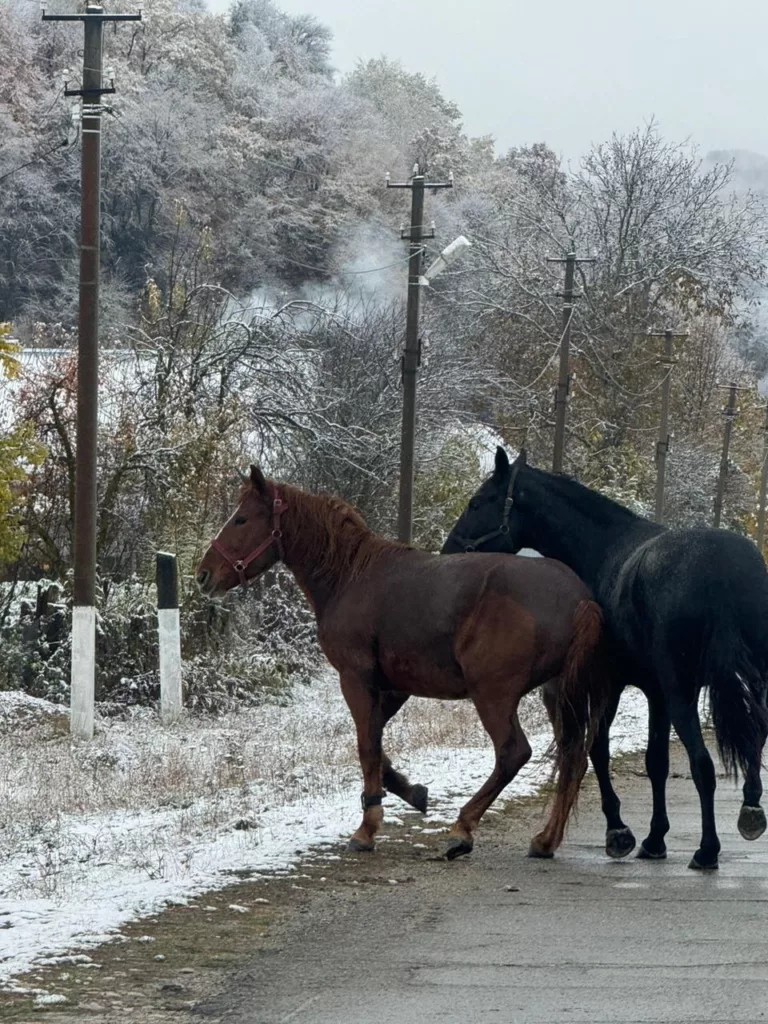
x: 275, y: 537
x: 503, y: 529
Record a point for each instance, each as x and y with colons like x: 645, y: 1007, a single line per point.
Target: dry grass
x: 59, y: 798
x: 139, y: 764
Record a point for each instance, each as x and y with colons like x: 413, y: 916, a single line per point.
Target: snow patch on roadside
x: 71, y: 882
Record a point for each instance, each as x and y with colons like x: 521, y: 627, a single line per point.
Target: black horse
x: 685, y: 608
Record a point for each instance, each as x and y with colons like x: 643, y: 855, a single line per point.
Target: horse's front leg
x: 657, y: 765
x: 364, y: 701
x: 619, y: 839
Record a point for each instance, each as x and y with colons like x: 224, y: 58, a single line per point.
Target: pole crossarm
x: 92, y: 13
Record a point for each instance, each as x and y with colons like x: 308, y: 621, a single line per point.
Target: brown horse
x: 396, y: 622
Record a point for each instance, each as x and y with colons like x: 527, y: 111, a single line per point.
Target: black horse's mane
x: 591, y: 503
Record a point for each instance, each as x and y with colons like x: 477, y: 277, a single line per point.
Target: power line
x: 61, y: 144
x: 336, y: 273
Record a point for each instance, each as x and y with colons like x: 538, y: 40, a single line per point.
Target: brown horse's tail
x: 581, y: 698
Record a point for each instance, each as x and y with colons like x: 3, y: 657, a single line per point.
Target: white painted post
x: 81, y: 693
x: 169, y: 629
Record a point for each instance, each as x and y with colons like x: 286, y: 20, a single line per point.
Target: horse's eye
x: 240, y: 521
x: 474, y: 504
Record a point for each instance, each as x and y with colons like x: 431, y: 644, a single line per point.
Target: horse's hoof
x: 360, y: 846
x: 419, y: 795
x: 645, y: 854
x: 752, y: 822
x: 619, y: 842
x: 458, y: 847
x: 539, y: 852
x: 697, y: 865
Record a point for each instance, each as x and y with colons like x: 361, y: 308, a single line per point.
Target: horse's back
x: 523, y: 620
x: 704, y: 568
x: 682, y: 586
x: 422, y: 612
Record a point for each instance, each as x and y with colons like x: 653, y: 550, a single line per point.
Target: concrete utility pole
x: 662, y: 445
x: 169, y: 635
x: 564, y: 378
x: 763, y: 488
x: 84, y: 610
x: 416, y: 235
x: 730, y: 412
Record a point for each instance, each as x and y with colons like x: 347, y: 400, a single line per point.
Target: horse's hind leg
x: 685, y: 718
x: 364, y: 702
x: 395, y: 782
x: 752, y: 821
x: 513, y: 750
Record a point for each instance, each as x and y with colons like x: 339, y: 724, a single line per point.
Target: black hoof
x: 645, y: 854
x: 698, y: 863
x: 752, y: 822
x: 419, y: 795
x: 458, y: 848
x: 359, y: 846
x: 539, y: 852
x: 619, y: 842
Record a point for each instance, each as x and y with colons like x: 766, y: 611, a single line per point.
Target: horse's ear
x: 522, y: 458
x: 501, y: 463
x: 258, y: 480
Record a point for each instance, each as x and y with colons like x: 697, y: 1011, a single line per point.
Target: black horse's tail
x: 736, y: 673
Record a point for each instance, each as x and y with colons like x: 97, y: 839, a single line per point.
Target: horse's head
x: 249, y: 542
x: 491, y: 522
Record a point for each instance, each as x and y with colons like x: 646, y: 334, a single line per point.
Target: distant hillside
x: 750, y: 173
x: 750, y: 170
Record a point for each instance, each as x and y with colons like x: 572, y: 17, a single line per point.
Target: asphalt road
x: 501, y: 938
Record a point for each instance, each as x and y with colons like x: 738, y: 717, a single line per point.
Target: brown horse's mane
x: 328, y: 536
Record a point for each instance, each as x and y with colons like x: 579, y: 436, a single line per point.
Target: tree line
x: 254, y: 290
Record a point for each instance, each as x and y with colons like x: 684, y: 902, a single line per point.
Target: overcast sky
x: 570, y: 74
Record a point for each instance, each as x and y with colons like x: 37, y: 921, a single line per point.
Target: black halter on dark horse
x: 686, y: 609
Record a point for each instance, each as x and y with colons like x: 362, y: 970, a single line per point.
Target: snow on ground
x: 94, y: 835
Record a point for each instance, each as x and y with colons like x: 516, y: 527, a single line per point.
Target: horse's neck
x: 320, y: 552
x: 585, y: 531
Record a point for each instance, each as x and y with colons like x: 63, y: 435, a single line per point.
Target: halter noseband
x: 503, y: 529
x: 275, y: 537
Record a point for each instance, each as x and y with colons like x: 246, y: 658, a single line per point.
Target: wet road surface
x: 500, y: 938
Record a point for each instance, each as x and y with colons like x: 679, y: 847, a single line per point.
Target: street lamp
x: 446, y: 257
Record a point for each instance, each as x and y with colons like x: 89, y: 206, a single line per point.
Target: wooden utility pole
x: 411, y: 358
x: 662, y: 445
x: 730, y: 412
x: 84, y: 610
x: 564, y: 377
x: 763, y: 488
